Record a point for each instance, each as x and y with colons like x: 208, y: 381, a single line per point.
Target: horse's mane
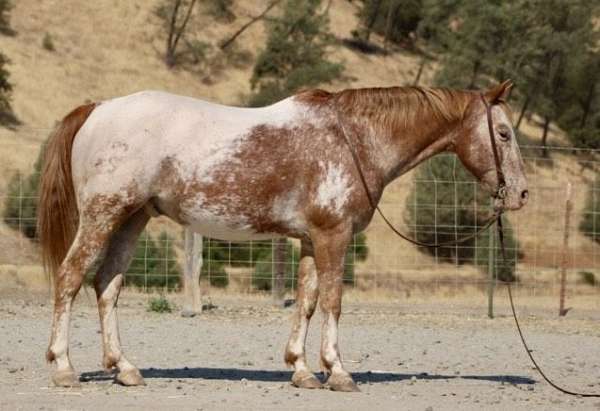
x: 408, y: 105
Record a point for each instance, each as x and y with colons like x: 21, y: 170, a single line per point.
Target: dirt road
x: 425, y: 356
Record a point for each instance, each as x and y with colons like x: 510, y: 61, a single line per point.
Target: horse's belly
x: 228, y: 232
x: 215, y: 221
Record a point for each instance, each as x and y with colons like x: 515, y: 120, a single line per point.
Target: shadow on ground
x: 236, y: 374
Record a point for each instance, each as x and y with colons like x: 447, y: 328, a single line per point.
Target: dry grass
x: 110, y: 48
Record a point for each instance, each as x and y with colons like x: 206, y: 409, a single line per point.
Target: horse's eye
x: 504, y: 133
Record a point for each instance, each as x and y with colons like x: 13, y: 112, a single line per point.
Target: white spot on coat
x: 334, y: 190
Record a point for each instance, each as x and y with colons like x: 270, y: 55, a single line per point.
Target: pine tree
x: 295, y: 55
x: 395, y: 20
x: 154, y: 264
x: 590, y: 224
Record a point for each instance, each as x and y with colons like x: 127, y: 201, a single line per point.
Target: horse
x: 233, y: 173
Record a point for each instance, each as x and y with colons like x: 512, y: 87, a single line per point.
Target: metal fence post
x: 491, y: 268
x: 562, y: 311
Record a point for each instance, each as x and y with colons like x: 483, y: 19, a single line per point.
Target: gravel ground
x: 403, y: 355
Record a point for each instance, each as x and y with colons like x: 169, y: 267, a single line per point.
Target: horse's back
x: 202, y: 164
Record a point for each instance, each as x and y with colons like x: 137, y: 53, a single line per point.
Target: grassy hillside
x: 108, y: 48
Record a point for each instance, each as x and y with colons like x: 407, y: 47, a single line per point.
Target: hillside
x: 109, y: 48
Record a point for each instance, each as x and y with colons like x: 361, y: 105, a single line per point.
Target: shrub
x: 159, y: 305
x: 444, y: 208
x: 20, y: 204
x: 48, y: 43
x: 590, y: 223
x: 588, y: 278
x: 154, y: 265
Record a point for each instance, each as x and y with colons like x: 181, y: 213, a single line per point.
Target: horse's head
x: 474, y: 148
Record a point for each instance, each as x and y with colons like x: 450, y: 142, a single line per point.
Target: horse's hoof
x: 342, y: 382
x: 66, y: 378
x: 305, y: 379
x: 130, y: 378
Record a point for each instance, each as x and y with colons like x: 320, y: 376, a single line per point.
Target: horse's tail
x: 58, y: 216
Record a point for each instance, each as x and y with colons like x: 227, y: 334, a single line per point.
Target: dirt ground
x: 404, y: 354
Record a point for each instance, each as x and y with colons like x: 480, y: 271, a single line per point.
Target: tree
x: 175, y: 15
x: 395, y: 20
x: 227, y: 42
x: 220, y: 10
x: 446, y: 205
x: 435, y: 30
x: 582, y: 118
x: 569, y: 30
x: 295, y: 55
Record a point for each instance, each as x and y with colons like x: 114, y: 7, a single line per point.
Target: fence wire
x: 423, y: 204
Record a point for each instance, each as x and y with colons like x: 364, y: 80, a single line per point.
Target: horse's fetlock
x: 50, y: 356
x: 110, y: 361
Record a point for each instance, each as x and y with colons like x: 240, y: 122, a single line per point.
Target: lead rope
x: 497, y: 216
x: 514, y: 313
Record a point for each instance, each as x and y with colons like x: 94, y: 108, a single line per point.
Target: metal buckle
x: 501, y: 193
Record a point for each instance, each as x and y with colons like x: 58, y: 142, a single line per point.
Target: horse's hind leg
x: 89, y: 242
x: 107, y: 283
x: 306, y: 301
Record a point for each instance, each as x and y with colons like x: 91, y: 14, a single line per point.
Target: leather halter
x: 500, y: 192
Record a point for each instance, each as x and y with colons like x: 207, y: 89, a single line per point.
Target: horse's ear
x: 498, y: 93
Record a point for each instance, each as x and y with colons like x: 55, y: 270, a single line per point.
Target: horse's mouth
x: 505, y: 204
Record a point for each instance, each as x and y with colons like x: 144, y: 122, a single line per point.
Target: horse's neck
x: 392, y: 148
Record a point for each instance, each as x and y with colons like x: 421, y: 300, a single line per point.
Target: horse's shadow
x: 236, y: 374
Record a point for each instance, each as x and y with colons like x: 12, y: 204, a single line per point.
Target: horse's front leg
x: 330, y: 249
x: 306, y: 301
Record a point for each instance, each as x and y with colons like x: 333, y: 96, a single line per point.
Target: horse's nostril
x: 524, y: 194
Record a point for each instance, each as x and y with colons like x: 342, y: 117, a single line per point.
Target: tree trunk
x: 388, y: 24
x: 545, y: 136
x: 253, y: 20
x: 523, y: 110
x: 372, y: 20
x: 473, y: 81
x: 587, y: 106
x: 420, y: 71
x: 170, y: 52
x: 175, y: 32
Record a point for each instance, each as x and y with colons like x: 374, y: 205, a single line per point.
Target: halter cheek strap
x: 501, y: 188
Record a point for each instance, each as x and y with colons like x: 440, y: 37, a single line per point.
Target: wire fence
x: 425, y: 205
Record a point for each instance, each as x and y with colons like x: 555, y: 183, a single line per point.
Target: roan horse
x: 243, y: 174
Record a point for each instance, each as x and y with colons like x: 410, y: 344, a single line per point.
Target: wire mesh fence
x: 431, y: 203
